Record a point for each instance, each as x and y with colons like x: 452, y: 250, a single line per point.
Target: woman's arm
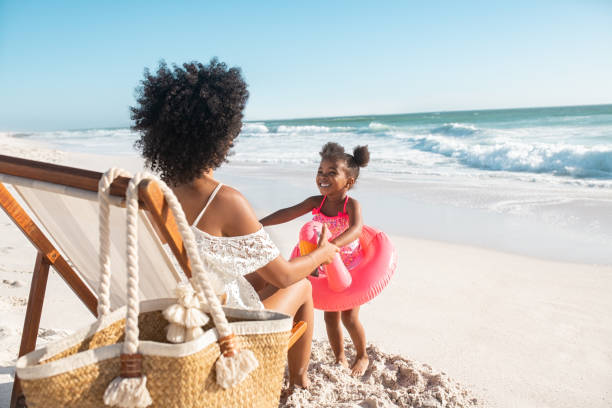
x: 282, y: 273
x: 239, y: 219
x: 290, y: 213
x: 355, y: 224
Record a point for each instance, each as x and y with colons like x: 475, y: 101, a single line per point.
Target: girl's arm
x: 290, y: 213
x: 355, y: 223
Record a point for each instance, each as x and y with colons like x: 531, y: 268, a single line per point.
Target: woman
x: 188, y: 118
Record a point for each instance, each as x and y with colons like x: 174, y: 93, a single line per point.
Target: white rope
x: 130, y: 345
x: 104, y: 232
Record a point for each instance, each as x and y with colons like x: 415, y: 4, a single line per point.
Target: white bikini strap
x: 212, y: 196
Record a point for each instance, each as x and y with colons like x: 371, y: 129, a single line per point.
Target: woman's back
x: 223, y: 229
x: 228, y: 214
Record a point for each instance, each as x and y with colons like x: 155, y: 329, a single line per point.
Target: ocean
x: 545, y: 170
x: 554, y: 145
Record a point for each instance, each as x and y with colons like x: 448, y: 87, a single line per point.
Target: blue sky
x: 75, y: 64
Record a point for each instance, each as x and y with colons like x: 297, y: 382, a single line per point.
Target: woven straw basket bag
x: 237, y: 359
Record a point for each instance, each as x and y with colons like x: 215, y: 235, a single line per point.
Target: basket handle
x: 104, y: 236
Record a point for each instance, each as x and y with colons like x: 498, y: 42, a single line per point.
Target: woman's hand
x: 281, y: 273
x: 329, y: 249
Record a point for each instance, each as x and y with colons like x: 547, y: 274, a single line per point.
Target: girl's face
x: 332, y: 178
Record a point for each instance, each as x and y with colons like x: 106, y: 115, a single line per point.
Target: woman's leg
x: 295, y: 300
x: 335, y: 337
x: 350, y: 319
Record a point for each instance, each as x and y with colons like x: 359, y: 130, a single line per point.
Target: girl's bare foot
x: 360, y: 365
x: 300, y: 381
x: 342, y: 361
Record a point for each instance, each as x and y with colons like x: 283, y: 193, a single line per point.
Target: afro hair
x: 188, y: 117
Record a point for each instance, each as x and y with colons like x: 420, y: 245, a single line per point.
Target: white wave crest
x: 378, y: 126
x: 456, y: 129
x: 558, y: 159
x: 302, y: 129
x: 254, y: 128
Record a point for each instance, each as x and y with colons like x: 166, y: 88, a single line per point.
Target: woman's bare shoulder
x: 236, y: 212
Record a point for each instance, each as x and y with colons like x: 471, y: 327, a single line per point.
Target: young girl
x: 337, y: 173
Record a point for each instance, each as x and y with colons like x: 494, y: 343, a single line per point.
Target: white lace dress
x: 228, y: 259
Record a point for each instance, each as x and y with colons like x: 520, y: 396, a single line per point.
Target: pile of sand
x: 390, y: 380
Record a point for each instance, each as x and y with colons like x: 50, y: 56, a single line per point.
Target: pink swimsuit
x: 351, y: 253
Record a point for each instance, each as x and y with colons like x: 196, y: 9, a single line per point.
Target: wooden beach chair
x: 56, y: 209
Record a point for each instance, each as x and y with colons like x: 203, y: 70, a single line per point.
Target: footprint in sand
x: 5, y: 332
x: 5, y: 250
x: 12, y: 283
x: 52, y: 334
x: 17, y: 301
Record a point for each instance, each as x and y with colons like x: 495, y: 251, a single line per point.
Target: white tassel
x: 185, y: 316
x: 175, y: 333
x: 175, y: 314
x: 183, y: 289
x: 128, y: 393
x: 195, y: 318
x: 233, y: 370
x: 192, y: 333
x: 190, y: 301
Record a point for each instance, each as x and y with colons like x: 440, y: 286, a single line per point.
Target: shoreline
x: 534, y: 219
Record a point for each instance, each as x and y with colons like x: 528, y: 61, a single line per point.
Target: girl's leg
x: 350, y: 319
x: 335, y: 337
x: 295, y: 300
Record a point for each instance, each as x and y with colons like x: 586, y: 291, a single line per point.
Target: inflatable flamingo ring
x: 336, y: 288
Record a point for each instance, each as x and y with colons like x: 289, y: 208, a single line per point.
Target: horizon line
x: 430, y: 111
x: 342, y: 116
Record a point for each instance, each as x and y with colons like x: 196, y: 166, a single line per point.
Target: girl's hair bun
x: 361, y: 155
x: 332, y: 150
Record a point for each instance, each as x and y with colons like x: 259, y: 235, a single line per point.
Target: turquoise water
x: 572, y: 142
x: 560, y: 144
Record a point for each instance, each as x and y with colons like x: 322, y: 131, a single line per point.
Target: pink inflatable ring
x: 369, y: 277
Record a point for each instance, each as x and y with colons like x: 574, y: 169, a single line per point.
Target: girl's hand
x: 330, y: 250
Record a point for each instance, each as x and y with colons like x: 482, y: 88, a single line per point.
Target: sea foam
x: 456, y: 129
x: 513, y: 156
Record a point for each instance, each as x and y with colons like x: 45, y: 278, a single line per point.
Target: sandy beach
x: 476, y: 136
x: 514, y: 330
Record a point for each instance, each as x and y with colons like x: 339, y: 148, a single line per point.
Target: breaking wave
x: 558, y: 159
x: 456, y: 130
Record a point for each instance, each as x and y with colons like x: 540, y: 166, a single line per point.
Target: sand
x: 508, y: 330
x: 390, y: 380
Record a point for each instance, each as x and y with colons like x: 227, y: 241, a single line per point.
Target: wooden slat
x: 62, y: 175
x: 35, y: 303
x: 154, y: 201
x: 31, y: 322
x: 43, y: 245
x: 296, y: 332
